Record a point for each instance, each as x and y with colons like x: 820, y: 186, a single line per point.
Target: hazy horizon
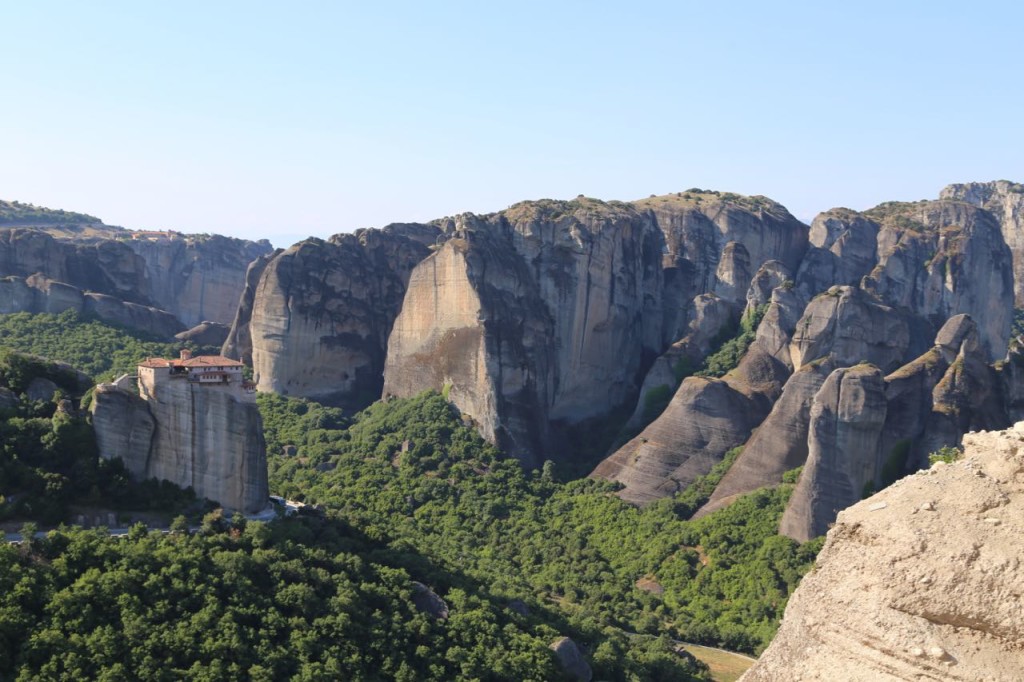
x: 263, y: 122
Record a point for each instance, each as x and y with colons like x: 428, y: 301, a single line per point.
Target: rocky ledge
x: 922, y: 581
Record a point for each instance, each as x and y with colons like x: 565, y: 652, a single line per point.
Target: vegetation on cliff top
x: 17, y: 213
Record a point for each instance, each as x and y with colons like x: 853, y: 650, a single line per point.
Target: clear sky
x: 282, y: 120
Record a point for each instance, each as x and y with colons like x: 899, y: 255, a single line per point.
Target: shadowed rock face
x: 715, y: 244
x: 238, y: 344
x: 541, y: 313
x: 917, y: 582
x: 198, y: 278
x: 39, y: 294
x: 846, y: 420
x: 1005, y: 201
x: 941, y: 258
x: 705, y: 419
x: 472, y: 338
x: 322, y: 312
x: 106, y: 267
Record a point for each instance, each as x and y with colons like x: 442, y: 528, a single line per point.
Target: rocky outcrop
x: 545, y: 312
x: 843, y: 248
x: 323, y: 310
x: 238, y: 344
x: 192, y: 278
x: 490, y: 358
x: 571, y: 659
x: 918, y: 582
x: 706, y: 418
x: 941, y: 258
x: 39, y: 294
x: 209, y: 438
x: 617, y: 284
x: 715, y: 242
x: 846, y: 420
x: 124, y: 427
x: 106, y: 266
x: 427, y: 601
x: 198, y: 277
x: 848, y: 326
x: 206, y: 334
x: 778, y: 445
x: 711, y: 318
x: 1004, y: 200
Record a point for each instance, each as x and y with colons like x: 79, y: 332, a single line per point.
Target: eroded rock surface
x: 209, y: 438
x: 198, y: 277
x: 918, y: 582
x: 323, y: 310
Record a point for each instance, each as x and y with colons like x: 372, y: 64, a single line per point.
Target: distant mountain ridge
x: 182, y: 280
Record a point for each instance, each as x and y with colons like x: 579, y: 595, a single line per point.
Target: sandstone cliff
x: 919, y: 582
x: 1005, y: 201
x: 238, y: 344
x: 617, y: 284
x: 209, y: 438
x: 39, y: 294
x: 105, y: 266
x: 190, y: 279
x: 322, y: 312
x: 198, y: 277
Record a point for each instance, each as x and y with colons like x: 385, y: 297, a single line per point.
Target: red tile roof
x: 197, y: 361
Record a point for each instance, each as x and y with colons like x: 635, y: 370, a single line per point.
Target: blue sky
x: 266, y: 120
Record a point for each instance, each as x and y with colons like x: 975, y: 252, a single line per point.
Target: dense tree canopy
x: 411, y: 473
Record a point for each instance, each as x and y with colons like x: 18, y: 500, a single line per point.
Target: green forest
x: 99, y: 349
x: 409, y: 472
x: 404, y: 491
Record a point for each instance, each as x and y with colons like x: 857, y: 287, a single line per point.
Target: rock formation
x: 615, y: 284
x: 322, y: 312
x: 919, y: 582
x: 105, y: 267
x: 205, y: 436
x: 190, y: 278
x: 238, y: 344
x: 941, y: 258
x: 846, y: 420
x: 206, y: 333
x: 198, y: 277
x: 1005, y: 201
x: 39, y: 294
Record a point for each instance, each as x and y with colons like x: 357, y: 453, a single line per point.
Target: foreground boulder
x: 919, y: 582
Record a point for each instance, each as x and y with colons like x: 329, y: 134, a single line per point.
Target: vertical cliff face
x: 322, y: 313
x: 938, y: 259
x: 558, y: 299
x: 238, y: 344
x: 209, y: 438
x: 1005, y: 201
x: 472, y: 325
x: 715, y: 242
x: 198, y: 278
x: 846, y: 419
